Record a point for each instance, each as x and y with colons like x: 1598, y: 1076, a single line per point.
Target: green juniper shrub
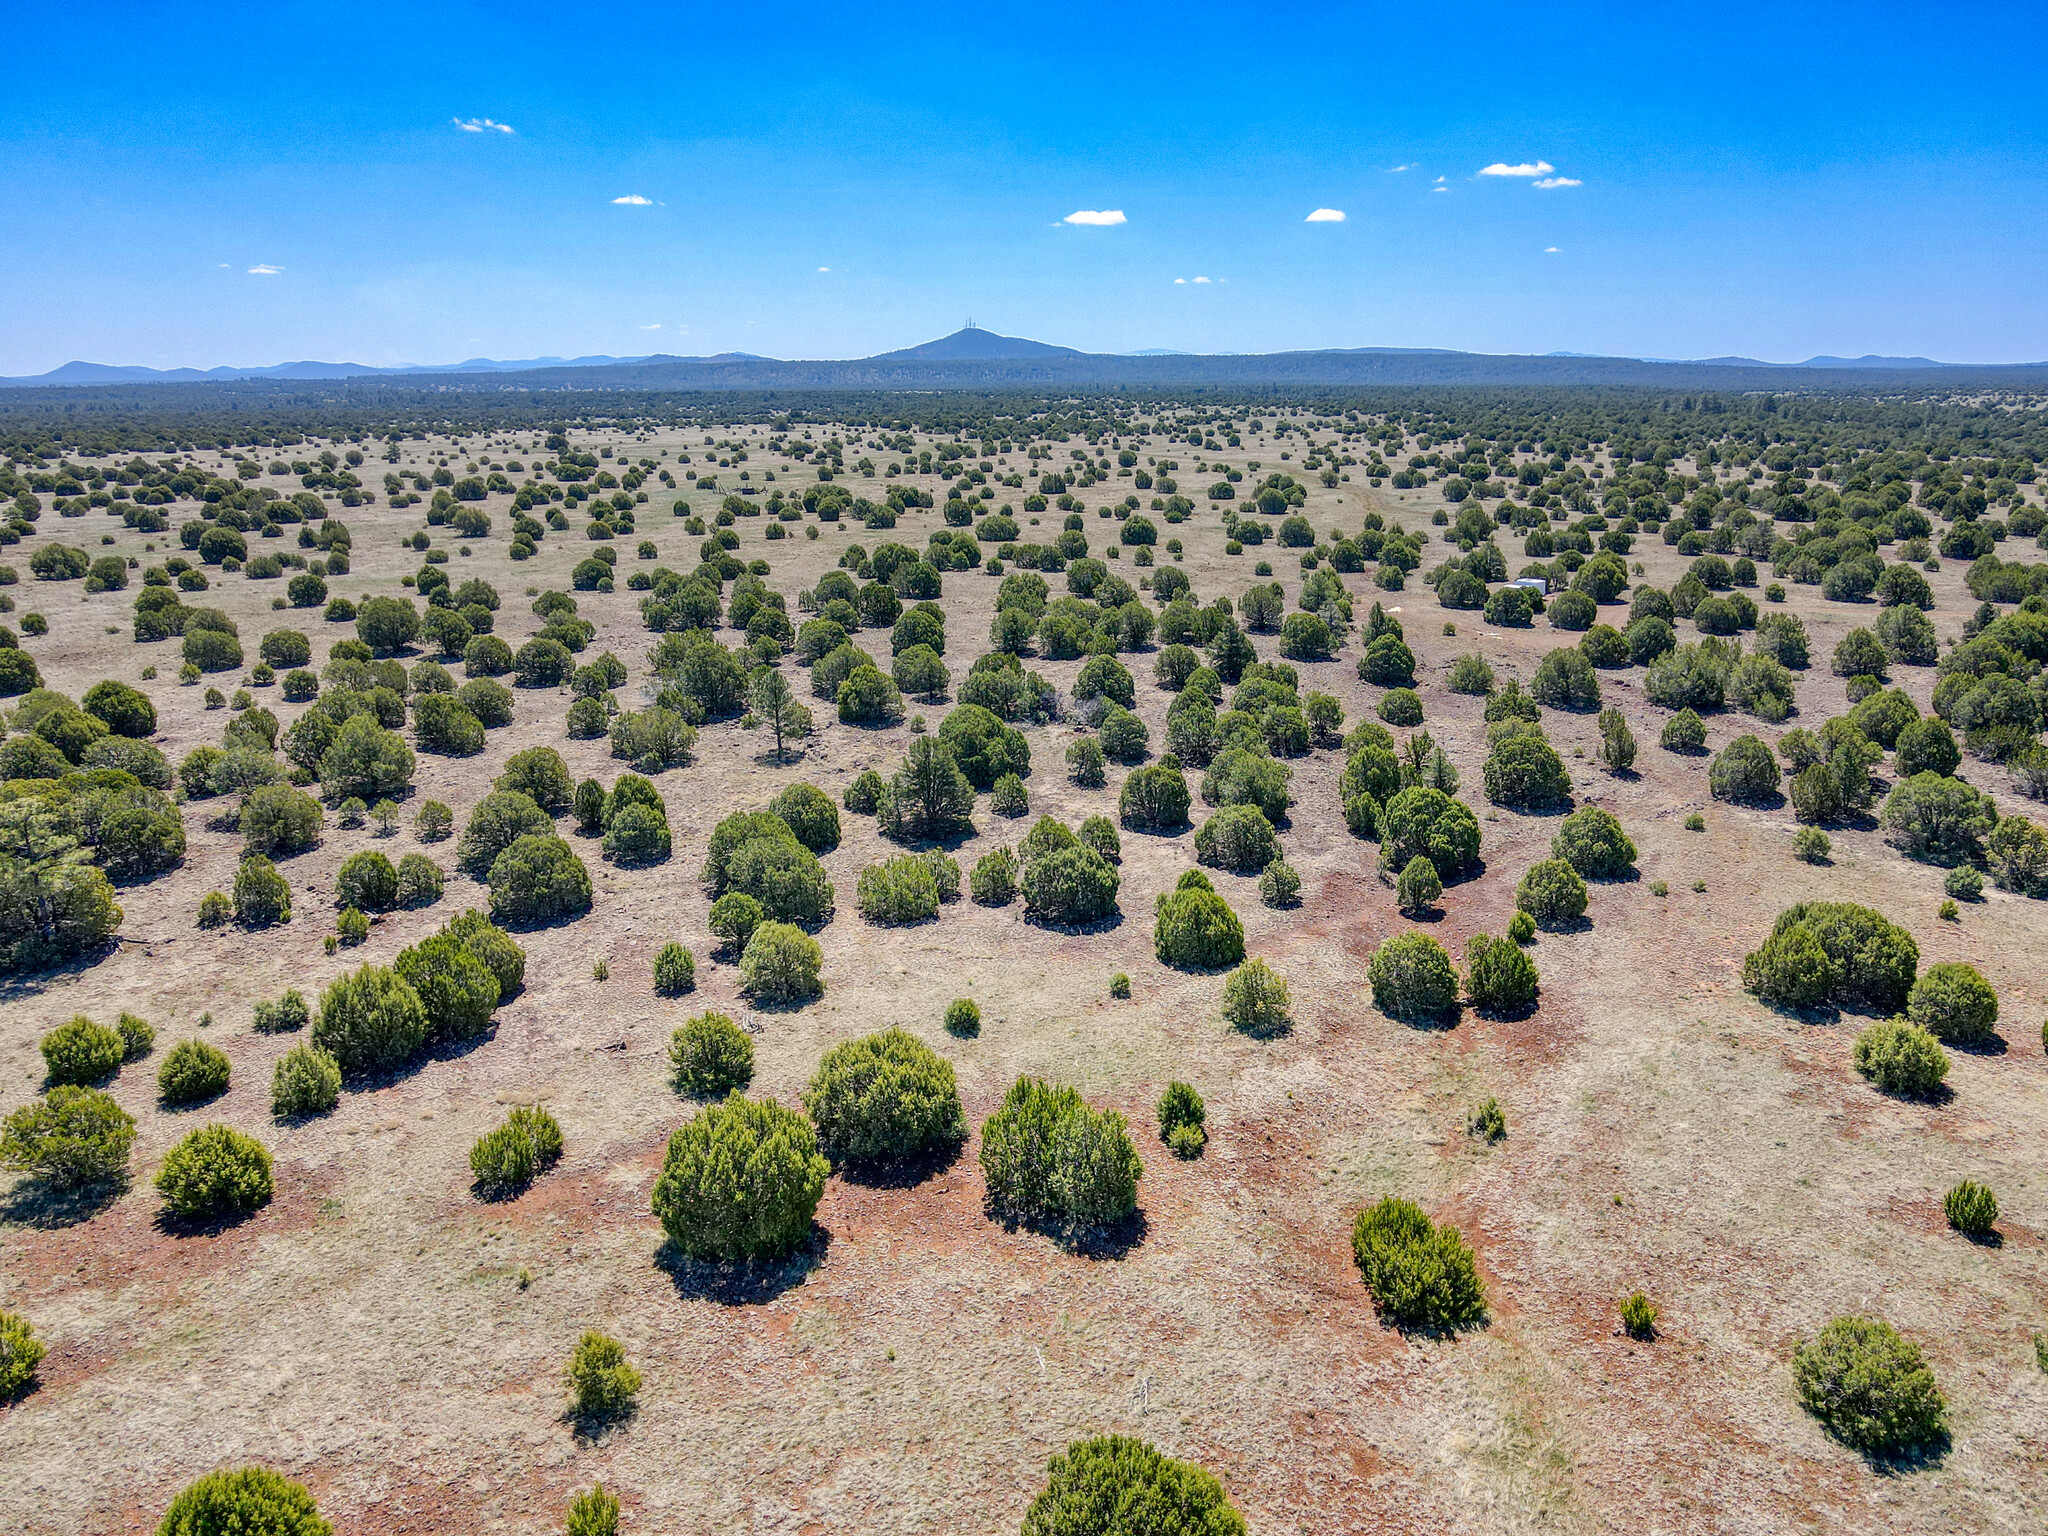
x: 709, y: 1057
x: 434, y: 822
x: 781, y: 964
x: 1412, y: 978
x: 1421, y: 820
x: 1593, y: 843
x: 70, y: 1138
x: 215, y: 1171
x: 1499, y: 977
x: 734, y: 917
x: 82, y: 1052
x: 509, y: 1158
x: 1638, y: 1316
x: 1971, y: 1209
x: 1183, y: 1120
x: 1046, y: 1155
x: 1255, y: 1000
x: 1870, y: 1388
x: 1071, y: 886
x: 1419, y: 886
x: 1120, y: 987
x: 1237, y: 838
x: 420, y: 881
x: 1684, y: 732
x: 1112, y: 1485
x: 865, y: 793
x: 1401, y: 706
x: 1085, y: 765
x: 262, y: 896
x: 1695, y: 823
x: 1471, y: 675
x: 675, y: 970
x: 20, y: 1353
x: 1488, y: 1122
x: 367, y: 882
x: 602, y: 1383
x: 1099, y: 833
x: 1522, y: 928
x: 898, y: 891
x: 741, y: 1180
x: 1195, y: 926
x: 538, y: 879
x: 884, y: 1097
x: 1834, y: 952
x: 247, y: 1501
x: 1279, y: 885
x: 589, y: 807
x: 137, y: 1037
x: 370, y: 1020
x: 595, y: 1513
x: 1812, y: 846
x: 811, y: 816
x: 351, y: 927
x: 306, y: 1081
x: 192, y: 1072
x: 1420, y: 1275
x: 1744, y: 771
x: 1154, y: 798
x: 1965, y: 883
x: 1954, y: 1003
x: 1552, y: 893
x: 963, y: 1018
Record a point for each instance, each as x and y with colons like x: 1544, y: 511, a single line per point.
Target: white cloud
x: 1550, y: 250
x: 1395, y: 170
x: 1439, y: 189
x: 1526, y: 168
x: 481, y: 125
x: 1095, y: 216
x: 824, y: 269
x: 263, y: 269
x: 654, y: 327
x: 1548, y: 182
x: 1325, y: 216
x: 634, y: 200
x: 1181, y: 281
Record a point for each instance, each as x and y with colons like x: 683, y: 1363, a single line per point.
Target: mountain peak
x: 973, y: 344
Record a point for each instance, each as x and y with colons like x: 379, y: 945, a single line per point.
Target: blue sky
x: 1774, y: 181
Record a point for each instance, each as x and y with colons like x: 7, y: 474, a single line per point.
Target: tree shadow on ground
x: 589, y: 1427
x: 47, y: 1208
x: 1993, y: 1044
x: 204, y: 1226
x: 1112, y: 1240
x: 1906, y: 1460
x: 1109, y: 924
x: 742, y: 1283
x: 903, y: 1173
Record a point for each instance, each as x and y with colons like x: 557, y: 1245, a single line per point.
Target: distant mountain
x: 1157, y: 352
x: 972, y: 344
x: 108, y: 373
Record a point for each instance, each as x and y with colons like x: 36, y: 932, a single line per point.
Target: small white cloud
x: 1395, y: 170
x: 1550, y: 250
x: 1181, y: 280
x: 634, y: 200
x: 1526, y: 168
x: 1325, y: 216
x: 1102, y: 216
x: 1439, y: 189
x: 481, y: 125
x: 1201, y: 279
x: 824, y: 269
x: 263, y: 269
x: 224, y: 263
x: 654, y: 327
x: 1548, y: 182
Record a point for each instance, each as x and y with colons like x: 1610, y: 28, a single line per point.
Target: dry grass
x: 367, y: 1332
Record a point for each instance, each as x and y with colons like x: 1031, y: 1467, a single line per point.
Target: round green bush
x: 1870, y: 1387
x: 675, y: 970
x: 864, y: 795
x: 500, y: 819
x: 1154, y: 799
x: 20, y: 1353
x: 454, y: 985
x: 1116, y: 1486
x: 1255, y: 1000
x: 1744, y: 771
x: 516, y: 1153
x: 963, y: 1018
x: 82, y: 1051
x: 121, y: 709
x: 884, y: 1096
x: 1183, y: 1119
x: 365, y: 762
x: 70, y: 1138
x: 1791, y: 968
x: 637, y: 835
x: 734, y: 917
x: 215, y: 1171
x: 1683, y: 732
x: 1196, y: 928
x: 1499, y: 976
x: 742, y: 1180
x: 602, y: 1383
x: 249, y: 1501
x: 709, y: 1057
x: 262, y: 895
x: 1279, y: 884
x: 1593, y: 843
x: 492, y: 945
x: 1954, y: 1003
x: 1071, y: 885
x: 1418, y: 887
x: 1971, y: 1209
x: 306, y: 1081
x: 1411, y: 978
x: 540, y: 774
x: 781, y: 964
x: 419, y: 881
x: 1552, y: 893
x: 277, y: 818
x: 993, y: 882
x: 811, y: 815
x: 1046, y: 1154
x: 1425, y: 821
x: 1420, y: 1275
x: 783, y: 875
x: 1401, y: 706
x: 538, y: 879
x: 367, y: 882
x: 371, y: 1020
x: 1237, y: 838
x: 1524, y: 770
x: 192, y: 1072
x: 136, y: 1037
x: 898, y: 891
